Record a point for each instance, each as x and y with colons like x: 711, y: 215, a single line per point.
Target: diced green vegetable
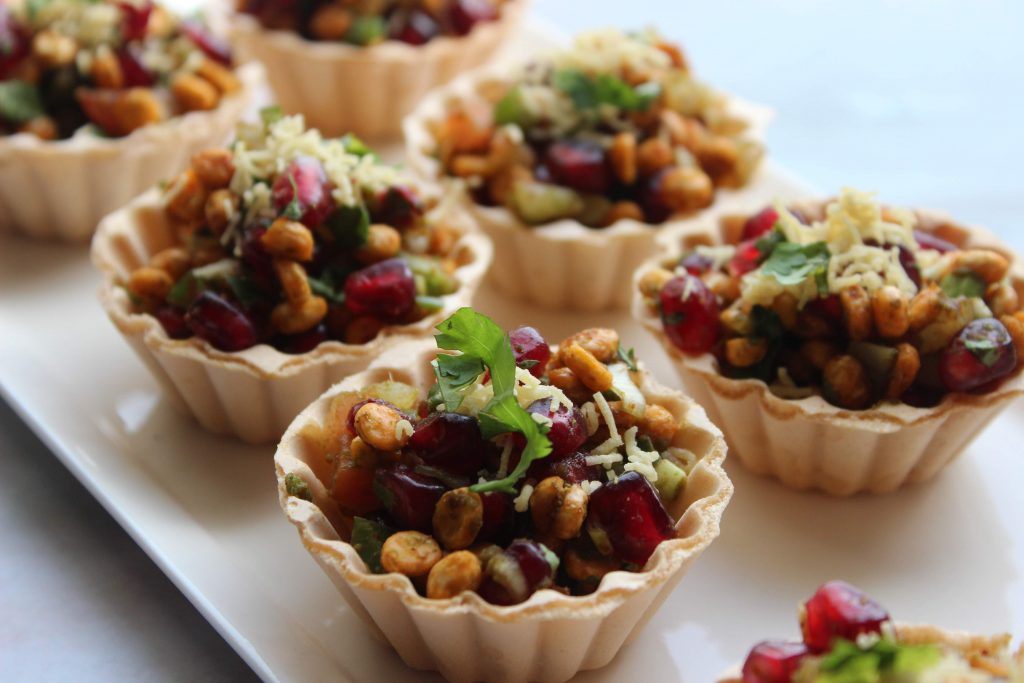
x: 20, y: 101
x: 953, y: 316
x: 595, y: 210
x: 538, y: 203
x: 366, y: 29
x: 399, y: 394
x: 435, y: 281
x: 368, y: 539
x: 963, y: 283
x: 633, y: 401
x: 589, y: 92
x: 671, y: 479
x: 429, y: 304
x: 513, y: 109
x: 877, y: 360
x: 220, y: 275
x: 297, y: 486
x: 271, y: 114
x: 354, y: 145
x: 350, y: 225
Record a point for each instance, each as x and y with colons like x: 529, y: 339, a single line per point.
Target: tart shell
x: 252, y: 394
x: 61, y: 189
x: 811, y: 444
x: 548, y: 638
x: 343, y: 88
x: 565, y: 265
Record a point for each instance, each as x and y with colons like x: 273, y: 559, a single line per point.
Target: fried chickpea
x: 150, y: 284
x: 845, y: 377
x: 924, y: 308
x: 136, y: 108
x: 786, y: 306
x: 330, y: 22
x: 558, y: 508
x: 686, y: 189
x: 194, y: 93
x: 362, y: 329
x: 684, y: 131
x: 467, y: 165
x: 382, y: 242
x: 623, y: 210
x: 904, y: 371
x: 458, y: 518
x: 659, y: 424
x: 818, y: 352
x: 811, y: 326
x: 623, y: 157
x: 411, y: 553
x: 442, y: 240
x: 54, y: 49
x: 652, y: 155
x: 219, y: 76
x: 891, y: 312
x: 582, y: 567
x: 743, y: 352
x: 456, y: 573
x: 106, y: 71
x: 718, y: 156
x: 221, y: 207
x: 602, y: 342
x: 736, y: 319
x: 725, y: 287
x: 856, y: 312
x: 378, y: 425
x: 591, y: 372
x: 185, y: 199
x: 652, y: 281
x: 43, y: 127
x: 174, y: 261
x: 214, y: 167
x: 288, y: 239
x: 294, y: 281
x: 566, y: 380
x: 1015, y: 326
x: 1002, y: 299
x: 293, y: 319
x: 986, y: 264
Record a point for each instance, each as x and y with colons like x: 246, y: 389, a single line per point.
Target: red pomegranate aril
x: 773, y: 661
x: 499, y: 517
x: 910, y: 266
x: 747, y: 258
x: 633, y: 517
x: 173, y: 322
x: 408, y: 496
x: 14, y: 41
x: 399, y: 206
x: 839, y: 610
x: 528, y: 345
x: 926, y: 240
x: 689, y: 312
x: 415, y: 27
x: 449, y: 441
x: 134, y: 19
x: 760, y: 223
x: 136, y: 75
x: 695, y: 264
x: 652, y: 198
x: 303, y: 342
x: 572, y: 468
x: 982, y: 353
x: 579, y: 164
x: 305, y: 182
x: 463, y: 15
x: 515, y: 574
x: 385, y: 289
x: 830, y: 308
x: 258, y: 262
x: 568, y: 430
x: 221, y: 323
x: 215, y: 47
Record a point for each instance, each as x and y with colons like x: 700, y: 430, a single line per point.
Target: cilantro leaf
x: 791, y: 264
x: 485, y: 344
x: 271, y: 114
x: 294, y: 209
x: 20, y: 101
x: 627, y: 356
x: 368, y: 539
x: 963, y: 283
x: 766, y: 245
x: 588, y: 92
x: 325, y: 287
x: 354, y: 145
x: 350, y: 226
x: 454, y: 373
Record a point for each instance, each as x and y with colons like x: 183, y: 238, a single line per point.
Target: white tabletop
x: 919, y: 100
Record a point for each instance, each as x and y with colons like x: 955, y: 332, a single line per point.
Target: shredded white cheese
x: 640, y: 460
x: 403, y: 430
x: 686, y: 459
x: 614, y: 441
x: 522, y: 501
x: 589, y: 412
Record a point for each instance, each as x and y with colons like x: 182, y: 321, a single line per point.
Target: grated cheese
x: 522, y: 501
x: 589, y: 412
x: 590, y: 486
x: 719, y: 255
x: 506, y: 453
x: 403, y: 430
x: 640, y: 460
x: 687, y: 459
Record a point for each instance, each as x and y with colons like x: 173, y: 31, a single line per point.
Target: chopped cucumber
x: 953, y: 317
x: 671, y: 479
x: 963, y: 283
x: 878, y: 361
x: 538, y: 203
x: 633, y: 401
x: 400, y: 395
x: 595, y: 210
x: 512, y: 108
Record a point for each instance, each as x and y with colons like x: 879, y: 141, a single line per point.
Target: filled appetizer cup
x: 848, y: 637
x: 269, y: 270
x: 842, y: 345
x: 501, y: 510
x: 360, y: 66
x: 99, y: 100
x: 571, y: 162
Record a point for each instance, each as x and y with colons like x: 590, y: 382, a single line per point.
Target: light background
x: 920, y: 99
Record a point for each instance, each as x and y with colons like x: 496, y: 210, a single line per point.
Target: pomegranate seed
x: 579, y: 164
x: 258, y: 263
x: 695, y: 264
x: 173, y: 322
x: 830, y: 308
x: 773, y: 661
x: 221, y: 323
x: 385, y: 289
x: 303, y: 342
x: 528, y: 345
x: 981, y: 353
x: 838, y: 610
x: 398, y: 206
x: 14, y: 42
x: 463, y: 15
x: 926, y: 240
x: 134, y: 19
x: 760, y: 223
x: 689, y: 312
x: 652, y: 198
x: 215, y: 47
x: 517, y: 573
x: 499, y: 517
x: 408, y: 496
x: 305, y: 182
x: 136, y: 75
x: 633, y: 517
x: 568, y: 430
x: 415, y: 27
x: 572, y: 468
x: 451, y: 442
x: 747, y: 258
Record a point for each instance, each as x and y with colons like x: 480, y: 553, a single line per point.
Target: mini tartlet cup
x: 963, y: 643
x: 343, y: 88
x: 252, y: 394
x: 812, y: 444
x: 565, y: 265
x: 61, y: 189
x: 548, y: 638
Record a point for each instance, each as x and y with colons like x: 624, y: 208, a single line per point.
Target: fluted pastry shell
x: 343, y: 88
x: 565, y: 265
x: 252, y: 394
x: 812, y: 444
x: 548, y: 638
x: 61, y: 189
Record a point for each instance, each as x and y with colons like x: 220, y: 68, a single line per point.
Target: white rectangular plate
x: 205, y: 508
